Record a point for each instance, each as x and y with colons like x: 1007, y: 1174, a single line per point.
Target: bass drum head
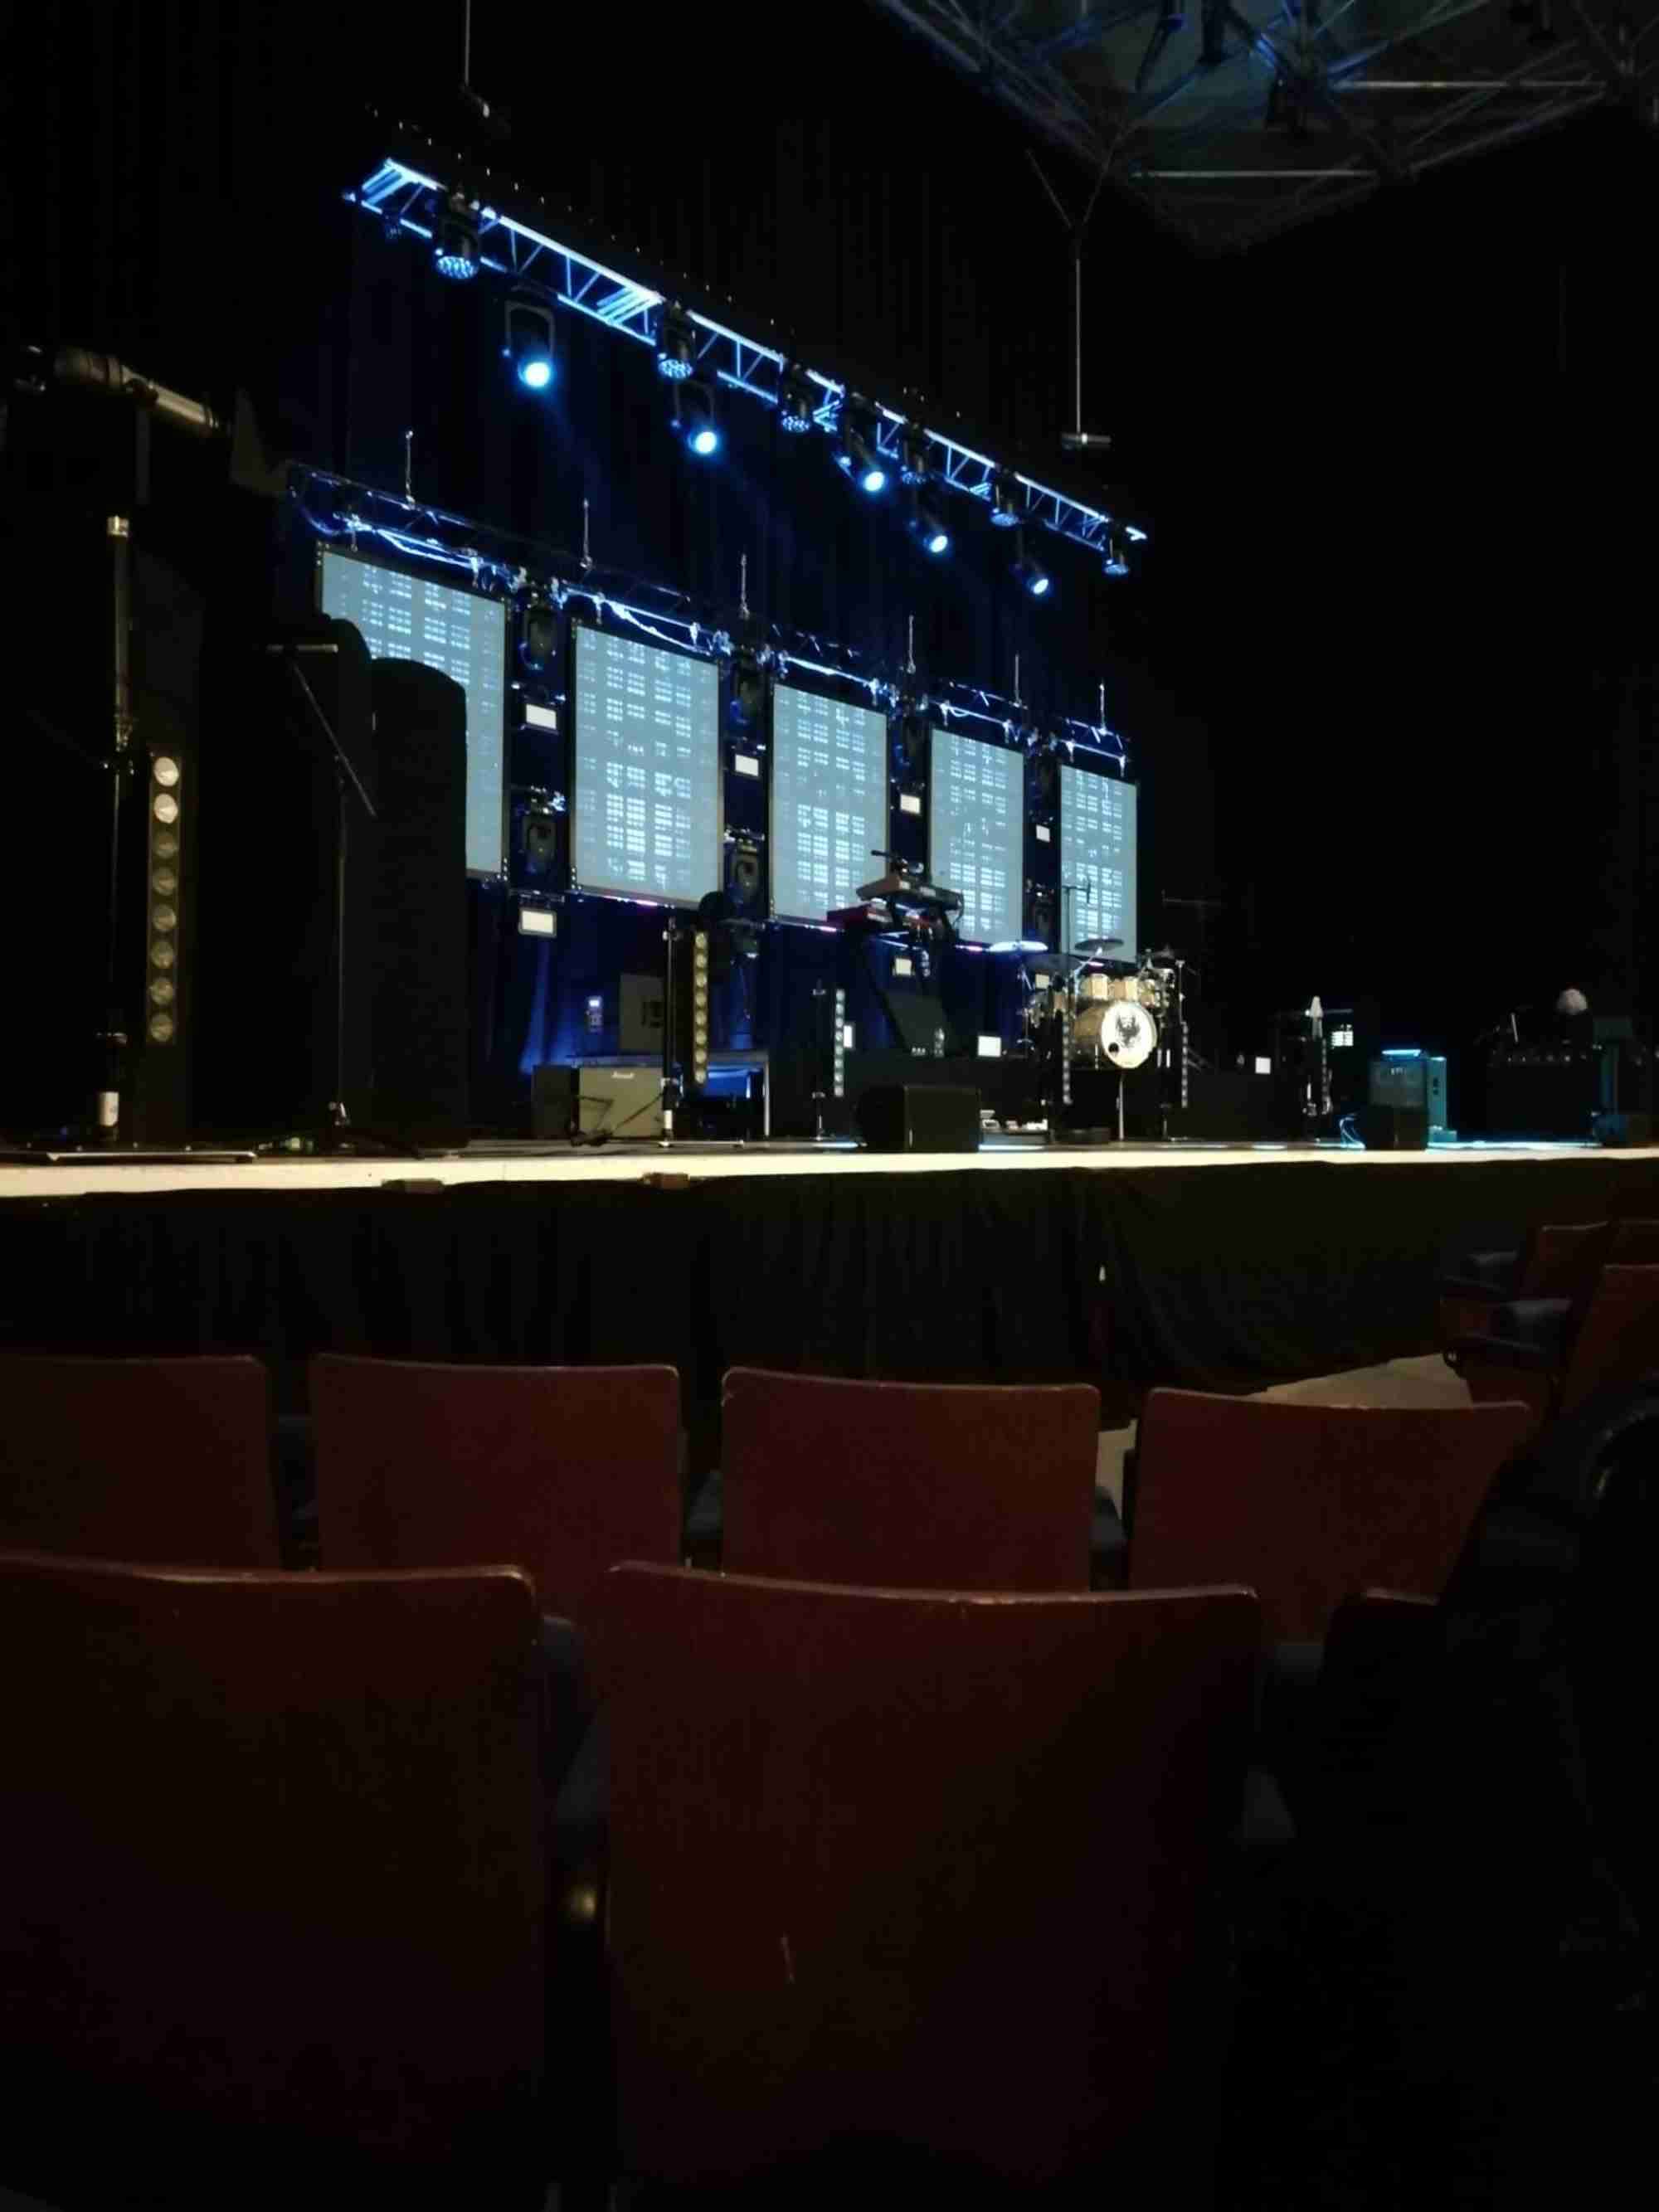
x: 1119, y: 1032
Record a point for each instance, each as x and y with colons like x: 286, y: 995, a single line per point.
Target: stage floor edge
x: 70, y: 1175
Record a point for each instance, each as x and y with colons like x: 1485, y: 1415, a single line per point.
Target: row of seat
x: 245, y: 1799
x: 936, y: 1870
x: 566, y: 1472
x: 1571, y: 1309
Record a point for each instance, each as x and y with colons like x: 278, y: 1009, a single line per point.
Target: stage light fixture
x: 694, y: 419
x: 1005, y: 501
x: 677, y: 345
x: 929, y: 531
x: 1114, y: 553
x: 797, y: 401
x: 1031, y: 574
x: 916, y: 456
x: 529, y: 343
x: 455, y: 242
x: 859, y: 454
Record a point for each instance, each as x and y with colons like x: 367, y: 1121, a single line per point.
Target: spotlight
x: 1005, y: 501
x: 694, y: 418
x: 676, y: 344
x: 860, y: 455
x: 529, y: 344
x: 455, y: 243
x: 916, y: 461
x: 1114, y: 553
x: 1031, y: 574
x: 798, y: 400
x: 929, y: 531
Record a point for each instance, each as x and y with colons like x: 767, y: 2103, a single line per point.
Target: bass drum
x: 1120, y: 1032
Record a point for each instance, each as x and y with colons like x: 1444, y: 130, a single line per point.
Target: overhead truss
x: 1232, y: 119
x: 410, y: 196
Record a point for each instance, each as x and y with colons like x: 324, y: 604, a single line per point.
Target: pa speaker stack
x: 334, y: 898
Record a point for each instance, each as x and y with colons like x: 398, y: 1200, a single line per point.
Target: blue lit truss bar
x: 409, y: 199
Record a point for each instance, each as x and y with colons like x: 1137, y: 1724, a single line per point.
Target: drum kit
x: 1086, y: 1010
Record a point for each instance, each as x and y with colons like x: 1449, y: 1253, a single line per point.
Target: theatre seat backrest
x: 152, y: 1459
x: 936, y: 1869
x: 1307, y: 1503
x: 273, y: 1888
x: 912, y: 1484
x: 563, y: 1471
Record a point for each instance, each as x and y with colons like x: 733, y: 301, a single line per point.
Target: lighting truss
x: 408, y: 198
x: 1248, y: 116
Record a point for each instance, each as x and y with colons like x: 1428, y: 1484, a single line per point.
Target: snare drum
x: 1119, y: 1031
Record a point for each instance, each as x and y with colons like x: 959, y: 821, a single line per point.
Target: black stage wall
x: 1390, y: 668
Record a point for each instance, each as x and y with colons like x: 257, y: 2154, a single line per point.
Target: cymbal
x: 1098, y: 944
x: 1168, y: 952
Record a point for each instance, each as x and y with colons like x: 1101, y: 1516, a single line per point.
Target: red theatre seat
x: 908, y: 1485
x: 1307, y: 1503
x: 920, y: 1872
x: 563, y: 1471
x: 164, y: 1461
x: 274, y: 1899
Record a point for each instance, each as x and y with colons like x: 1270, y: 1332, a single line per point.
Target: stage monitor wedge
x: 644, y: 770
x: 829, y: 802
x: 977, y: 833
x: 1097, y: 832
x: 463, y: 635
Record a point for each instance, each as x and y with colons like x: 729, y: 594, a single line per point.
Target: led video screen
x: 408, y: 617
x: 645, y: 792
x: 1097, y: 855
x: 977, y: 833
x: 829, y: 802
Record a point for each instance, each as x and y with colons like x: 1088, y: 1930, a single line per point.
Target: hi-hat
x: 1098, y: 944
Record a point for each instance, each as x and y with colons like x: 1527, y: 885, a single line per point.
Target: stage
x: 1223, y: 1268
x: 73, y: 1175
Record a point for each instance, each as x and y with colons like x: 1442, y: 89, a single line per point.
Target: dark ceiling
x: 1233, y: 119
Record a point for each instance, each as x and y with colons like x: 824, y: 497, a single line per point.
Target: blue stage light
x: 529, y: 344
x: 937, y: 541
x: 1031, y: 573
x: 860, y: 452
x: 1005, y: 501
x: 798, y: 400
x: 929, y: 531
x: 694, y: 418
x: 677, y: 345
x: 455, y: 242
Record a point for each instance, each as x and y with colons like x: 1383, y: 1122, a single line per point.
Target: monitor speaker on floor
x: 909, y: 1117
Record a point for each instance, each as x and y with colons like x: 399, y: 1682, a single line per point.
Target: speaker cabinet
x: 275, y: 809
x: 417, y: 952
x: 909, y: 1117
x: 1392, y: 1128
x: 1413, y: 1080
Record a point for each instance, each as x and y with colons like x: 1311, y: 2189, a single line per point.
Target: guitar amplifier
x: 592, y: 1101
x: 1413, y: 1080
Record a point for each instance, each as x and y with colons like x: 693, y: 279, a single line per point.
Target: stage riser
x: 1230, y: 1276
